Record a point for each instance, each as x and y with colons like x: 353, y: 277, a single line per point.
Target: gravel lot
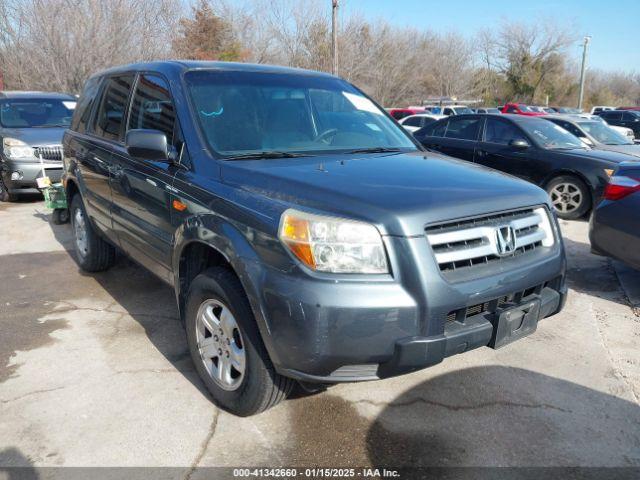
x: 94, y: 371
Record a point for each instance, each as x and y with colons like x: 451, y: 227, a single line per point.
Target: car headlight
x: 14, y: 148
x: 334, y: 245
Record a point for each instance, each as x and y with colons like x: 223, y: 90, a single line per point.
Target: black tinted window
x: 611, y: 115
x: 497, y: 131
x: 629, y: 116
x: 435, y: 129
x: 83, y: 109
x: 463, y: 128
x: 152, y: 106
x: 109, y: 122
x: 512, y: 110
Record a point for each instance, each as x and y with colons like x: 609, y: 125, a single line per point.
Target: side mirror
x: 519, y: 143
x: 147, y: 145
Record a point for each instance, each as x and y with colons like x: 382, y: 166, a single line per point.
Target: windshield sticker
x: 212, y: 114
x: 70, y: 105
x: 362, y: 103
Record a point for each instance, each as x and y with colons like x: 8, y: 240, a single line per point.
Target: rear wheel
x: 570, y: 197
x: 226, y: 346
x: 93, y: 253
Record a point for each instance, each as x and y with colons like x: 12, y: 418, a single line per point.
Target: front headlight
x: 334, y: 245
x: 14, y: 148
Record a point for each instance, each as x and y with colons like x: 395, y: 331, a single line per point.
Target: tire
x: 60, y: 216
x: 570, y: 197
x: 254, y: 386
x: 5, y: 196
x: 93, y: 253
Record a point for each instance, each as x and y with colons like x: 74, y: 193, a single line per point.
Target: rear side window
x: 83, y: 108
x: 435, y: 129
x: 110, y: 119
x: 413, y: 122
x: 497, y: 131
x: 152, y: 106
x: 463, y: 128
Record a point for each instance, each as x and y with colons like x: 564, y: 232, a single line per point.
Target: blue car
x: 615, y: 224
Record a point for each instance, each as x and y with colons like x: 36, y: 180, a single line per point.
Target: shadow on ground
x: 479, y: 416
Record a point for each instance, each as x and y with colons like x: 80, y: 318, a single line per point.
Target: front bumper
x: 328, y: 331
x: 29, y: 173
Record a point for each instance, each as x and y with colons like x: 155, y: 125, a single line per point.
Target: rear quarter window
x: 85, y: 103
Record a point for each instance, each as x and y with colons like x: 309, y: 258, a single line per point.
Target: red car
x: 521, y: 109
x: 400, y: 113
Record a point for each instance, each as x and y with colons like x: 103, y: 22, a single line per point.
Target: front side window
x: 463, y: 128
x: 252, y: 112
x: 152, y: 107
x: 551, y: 136
x: 36, y: 112
x: 109, y: 122
x: 498, y: 131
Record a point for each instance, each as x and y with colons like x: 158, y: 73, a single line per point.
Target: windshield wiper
x: 266, y: 155
x: 374, y: 150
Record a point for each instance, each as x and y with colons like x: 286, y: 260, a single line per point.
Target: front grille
x: 50, y: 153
x: 477, y: 241
x: 491, y: 306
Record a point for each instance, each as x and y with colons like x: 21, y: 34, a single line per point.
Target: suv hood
x: 400, y: 193
x: 35, y: 136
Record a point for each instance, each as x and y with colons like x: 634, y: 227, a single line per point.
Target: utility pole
x: 587, y: 39
x: 334, y: 37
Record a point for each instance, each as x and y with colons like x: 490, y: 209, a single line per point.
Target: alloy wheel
x: 80, y: 229
x: 566, y: 197
x: 220, y: 344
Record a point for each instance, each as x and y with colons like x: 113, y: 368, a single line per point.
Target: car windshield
x: 36, y: 113
x: 604, y: 134
x: 250, y: 113
x: 551, y: 136
x: 462, y: 110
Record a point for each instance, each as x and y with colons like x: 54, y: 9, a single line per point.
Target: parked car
x: 307, y: 236
x: 530, y: 148
x: 31, y: 127
x: 416, y: 122
x: 548, y: 110
x: 400, y: 113
x: 597, y: 134
x: 600, y: 108
x: 623, y: 118
x: 627, y: 132
x: 567, y: 110
x: 450, y: 110
x: 487, y: 110
x: 613, y: 229
x: 521, y: 109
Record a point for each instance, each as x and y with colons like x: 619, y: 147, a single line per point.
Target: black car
x: 531, y: 148
x: 307, y: 235
x: 614, y: 229
x: 623, y: 118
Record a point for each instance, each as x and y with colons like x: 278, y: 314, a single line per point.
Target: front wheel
x: 226, y: 347
x: 570, y: 197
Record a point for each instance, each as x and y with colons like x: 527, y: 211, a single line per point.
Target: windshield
x: 249, y: 113
x: 551, y: 136
x: 462, y: 110
x: 33, y: 113
x: 525, y: 108
x: 604, y: 134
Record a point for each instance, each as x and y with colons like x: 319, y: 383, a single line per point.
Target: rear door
x: 495, y: 149
x: 142, y: 188
x: 461, y: 137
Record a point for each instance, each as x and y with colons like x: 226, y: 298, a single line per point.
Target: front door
x: 496, y: 150
x: 142, y: 188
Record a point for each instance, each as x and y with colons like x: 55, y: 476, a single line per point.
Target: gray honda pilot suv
x: 307, y: 236
x: 31, y: 129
